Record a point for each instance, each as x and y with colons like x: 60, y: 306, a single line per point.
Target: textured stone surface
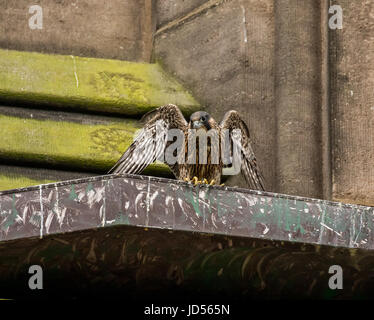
x: 352, y: 103
x: 62, y: 140
x: 99, y: 85
x: 13, y: 177
x: 168, y: 10
x: 117, y: 29
x: 298, y: 97
x: 165, y: 240
x: 225, y: 56
x: 154, y: 202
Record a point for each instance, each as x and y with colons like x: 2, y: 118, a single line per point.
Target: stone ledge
x: 151, y: 239
x: 67, y: 141
x: 169, y: 204
x: 89, y: 84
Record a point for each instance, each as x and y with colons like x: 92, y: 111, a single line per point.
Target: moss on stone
x: 15, y: 182
x: 103, y: 85
x: 66, y: 144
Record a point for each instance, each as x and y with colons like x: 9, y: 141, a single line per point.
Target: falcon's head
x: 201, y: 119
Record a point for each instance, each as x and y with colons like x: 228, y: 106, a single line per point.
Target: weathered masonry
x: 72, y: 94
x: 75, y: 122
x: 304, y: 90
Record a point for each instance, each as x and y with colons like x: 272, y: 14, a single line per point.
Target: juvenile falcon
x: 153, y: 141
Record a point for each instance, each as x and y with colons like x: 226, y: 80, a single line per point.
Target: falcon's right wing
x: 232, y: 122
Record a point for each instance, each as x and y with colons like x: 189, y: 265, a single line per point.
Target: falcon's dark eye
x: 203, y: 118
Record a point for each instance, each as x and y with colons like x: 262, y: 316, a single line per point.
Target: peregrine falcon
x: 195, y: 159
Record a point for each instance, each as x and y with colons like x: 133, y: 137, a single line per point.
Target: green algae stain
x: 73, y: 195
x: 89, y: 188
x: 301, y: 211
x: 122, y: 218
x: 192, y: 197
x: 12, y: 217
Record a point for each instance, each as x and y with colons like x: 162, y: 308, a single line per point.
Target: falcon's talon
x: 196, y: 181
x: 204, y: 181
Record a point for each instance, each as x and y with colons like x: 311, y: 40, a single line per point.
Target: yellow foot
x: 212, y: 182
x: 195, y: 180
x: 205, y: 181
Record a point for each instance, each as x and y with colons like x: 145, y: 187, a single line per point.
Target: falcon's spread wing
x: 249, y: 167
x: 151, y: 141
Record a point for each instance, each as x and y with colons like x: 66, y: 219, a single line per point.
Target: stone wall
x: 352, y: 103
x: 306, y: 91
x: 298, y: 97
x: 168, y: 10
x: 49, y: 102
x: 118, y: 29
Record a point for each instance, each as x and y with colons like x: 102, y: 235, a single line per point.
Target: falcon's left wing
x: 249, y: 167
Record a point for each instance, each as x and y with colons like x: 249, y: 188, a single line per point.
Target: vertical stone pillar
x: 298, y: 97
x: 351, y: 52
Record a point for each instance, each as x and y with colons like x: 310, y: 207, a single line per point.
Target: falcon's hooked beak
x: 197, y: 124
